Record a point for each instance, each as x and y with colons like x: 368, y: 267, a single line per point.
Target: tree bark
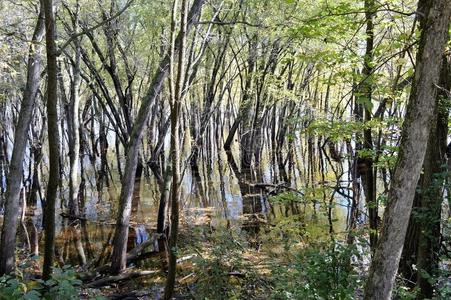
x: 415, y: 134
x: 369, y: 174
x: 74, y: 125
x: 53, y: 137
x: 432, y: 193
x: 176, y: 93
x: 9, y: 230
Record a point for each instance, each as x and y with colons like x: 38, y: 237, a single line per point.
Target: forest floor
x: 211, y: 261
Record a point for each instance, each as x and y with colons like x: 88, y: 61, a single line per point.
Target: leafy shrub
x: 62, y: 285
x: 321, y: 271
x: 214, y: 269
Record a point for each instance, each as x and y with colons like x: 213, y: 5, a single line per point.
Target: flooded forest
x: 225, y: 149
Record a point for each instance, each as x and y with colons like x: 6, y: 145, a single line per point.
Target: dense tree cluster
x: 108, y: 106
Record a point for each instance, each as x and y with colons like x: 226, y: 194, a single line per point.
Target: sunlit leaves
x: 342, y: 130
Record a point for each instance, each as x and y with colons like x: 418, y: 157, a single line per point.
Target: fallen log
x: 117, y: 278
x: 100, y: 222
x: 136, y: 253
x: 138, y: 250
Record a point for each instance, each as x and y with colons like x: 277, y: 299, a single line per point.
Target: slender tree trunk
x: 165, y: 189
x: 53, y: 136
x: 175, y: 87
x: 74, y: 147
x: 415, y: 134
x: 365, y: 98
x: 9, y: 230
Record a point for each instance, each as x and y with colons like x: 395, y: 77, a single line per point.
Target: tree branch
x: 88, y: 30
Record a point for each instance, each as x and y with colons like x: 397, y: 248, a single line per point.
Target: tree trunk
x: 9, y: 230
x: 53, y: 136
x: 176, y: 93
x: 425, y: 218
x: 366, y: 90
x: 74, y: 125
x: 415, y: 134
x: 432, y: 193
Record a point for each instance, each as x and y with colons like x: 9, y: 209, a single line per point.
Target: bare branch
x: 88, y: 30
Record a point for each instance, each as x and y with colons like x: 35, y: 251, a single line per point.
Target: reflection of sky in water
x: 141, y: 234
x: 220, y: 204
x: 234, y: 200
x: 234, y: 206
x: 3, y: 180
x: 223, y: 199
x: 90, y: 209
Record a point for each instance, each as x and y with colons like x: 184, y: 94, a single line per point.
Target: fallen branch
x: 100, y: 222
x: 275, y: 187
x: 117, y: 278
x: 185, y: 258
x: 137, y: 251
x: 134, y: 254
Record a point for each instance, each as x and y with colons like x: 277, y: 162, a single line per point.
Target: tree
x: 53, y: 138
x: 74, y: 120
x: 176, y: 93
x: 431, y: 191
x: 415, y: 134
x: 118, y: 259
x: 13, y: 190
x: 369, y: 173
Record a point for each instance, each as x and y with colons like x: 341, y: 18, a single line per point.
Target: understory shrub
x: 321, y: 271
x: 63, y: 285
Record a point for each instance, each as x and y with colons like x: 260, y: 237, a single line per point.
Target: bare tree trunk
x: 8, y: 241
x: 165, y: 189
x: 74, y: 125
x: 53, y: 136
x: 176, y: 93
x: 415, y: 134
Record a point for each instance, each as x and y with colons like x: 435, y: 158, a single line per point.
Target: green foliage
x: 323, y: 21
x: 427, y: 216
x: 443, y: 284
x: 63, y: 285
x: 404, y: 293
x: 388, y: 157
x: 287, y: 198
x: 288, y: 232
x: 13, y: 288
x: 440, y: 281
x: 342, y: 130
x: 318, y: 272
x: 215, y: 268
x: 428, y: 219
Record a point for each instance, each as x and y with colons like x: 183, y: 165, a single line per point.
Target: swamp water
x: 317, y: 201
